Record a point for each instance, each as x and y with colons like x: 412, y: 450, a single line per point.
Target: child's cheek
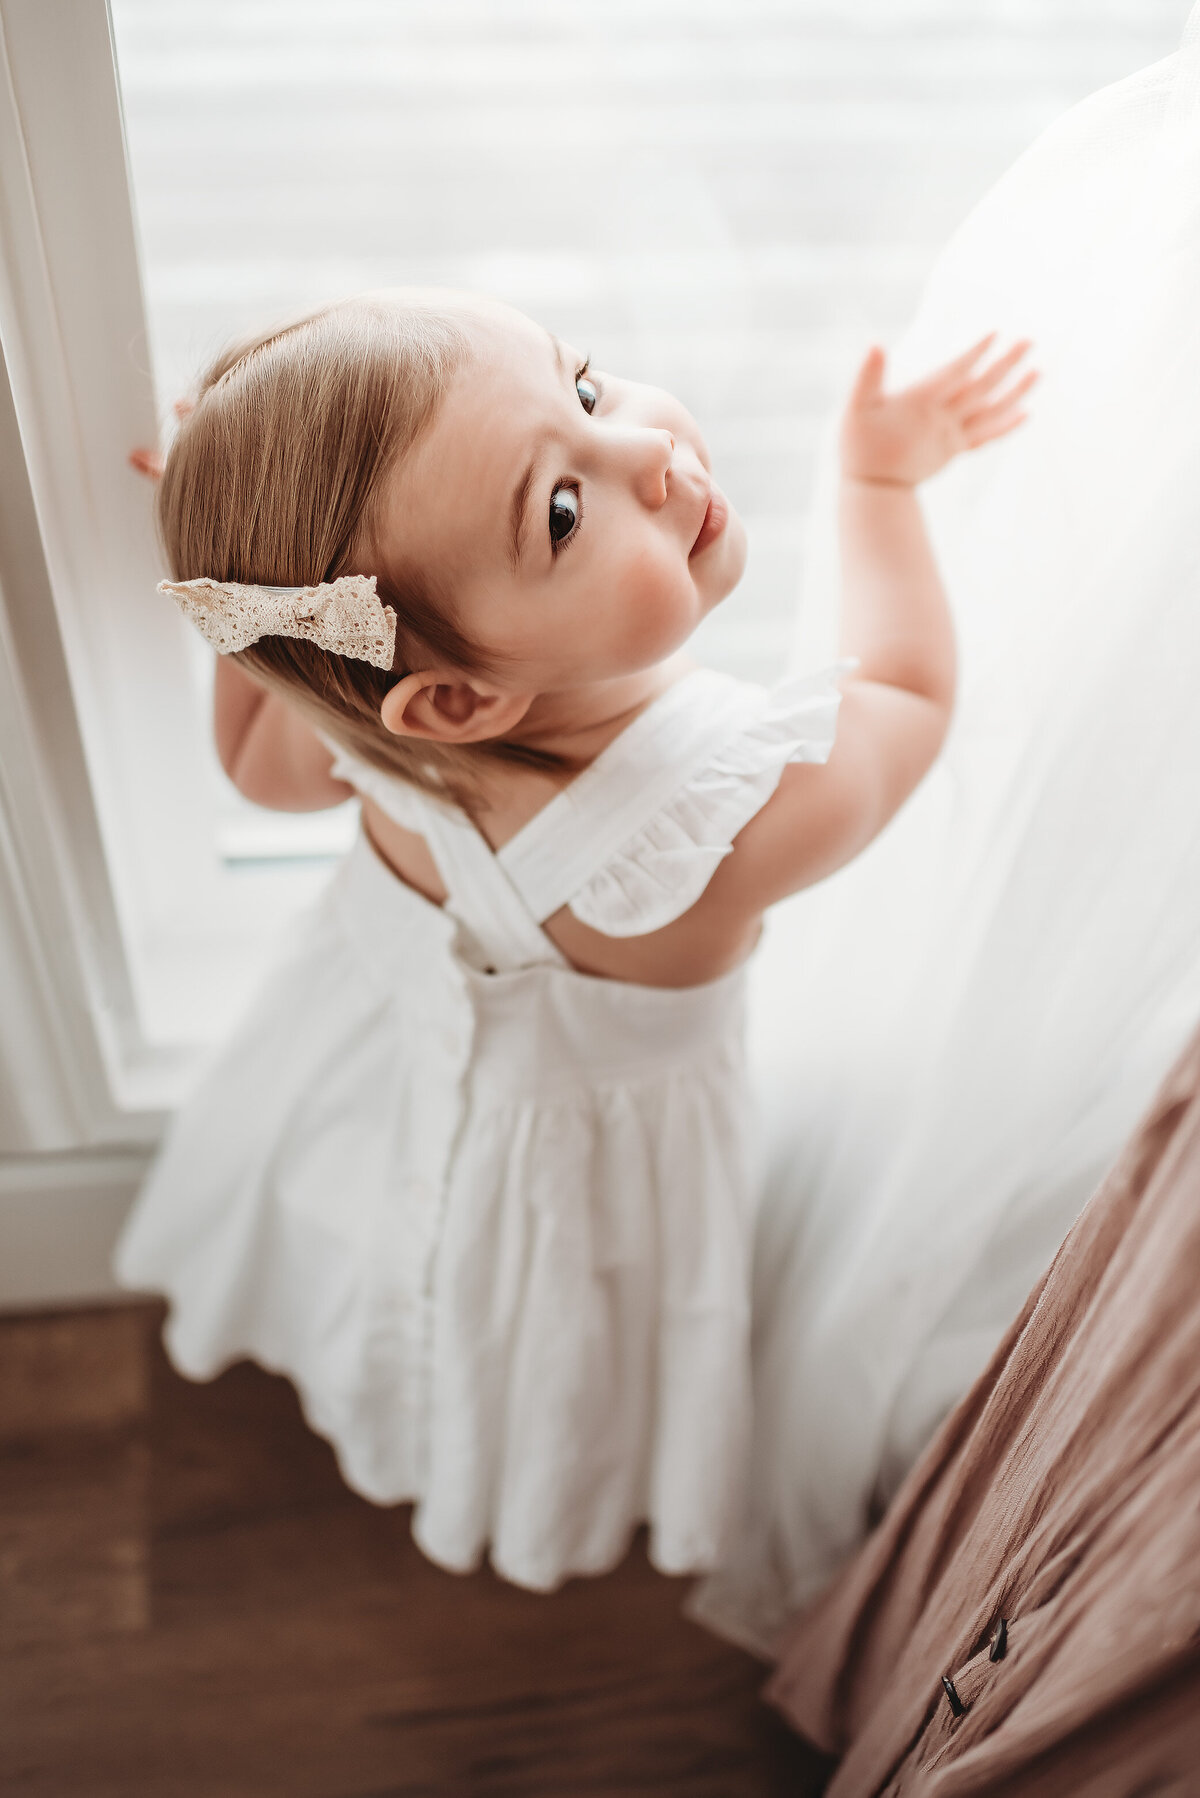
x: 657, y: 606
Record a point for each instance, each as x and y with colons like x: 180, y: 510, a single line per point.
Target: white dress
x: 491, y: 1215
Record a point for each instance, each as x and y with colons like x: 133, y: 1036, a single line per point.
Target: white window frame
x: 117, y: 915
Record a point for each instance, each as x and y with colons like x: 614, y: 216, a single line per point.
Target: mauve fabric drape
x: 1061, y: 1496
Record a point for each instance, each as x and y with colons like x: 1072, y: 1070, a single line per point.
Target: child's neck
x: 573, y: 725
x: 576, y: 723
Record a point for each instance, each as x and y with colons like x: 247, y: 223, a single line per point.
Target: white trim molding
x: 68, y: 1017
x: 72, y: 321
x: 60, y: 1216
x: 96, y: 836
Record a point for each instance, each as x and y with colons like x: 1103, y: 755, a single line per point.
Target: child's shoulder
x: 633, y: 841
x: 621, y: 864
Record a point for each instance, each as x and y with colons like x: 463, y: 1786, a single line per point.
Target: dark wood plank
x: 272, y: 1634
x: 64, y: 1370
x: 73, y: 1541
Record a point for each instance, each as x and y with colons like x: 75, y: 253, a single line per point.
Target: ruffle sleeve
x: 661, y: 871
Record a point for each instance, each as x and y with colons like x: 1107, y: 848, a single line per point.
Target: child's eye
x: 587, y: 389
x: 564, y: 516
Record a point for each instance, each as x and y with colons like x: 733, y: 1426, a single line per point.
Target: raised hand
x: 902, y: 438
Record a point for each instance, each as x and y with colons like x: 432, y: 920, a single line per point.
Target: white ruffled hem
x: 664, y: 868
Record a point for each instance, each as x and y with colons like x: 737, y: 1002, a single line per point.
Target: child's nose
x: 650, y: 453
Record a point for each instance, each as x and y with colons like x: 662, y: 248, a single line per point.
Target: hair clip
x: 345, y: 616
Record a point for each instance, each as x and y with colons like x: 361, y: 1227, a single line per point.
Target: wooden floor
x: 192, y: 1605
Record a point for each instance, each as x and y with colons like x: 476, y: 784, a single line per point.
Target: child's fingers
x: 972, y: 391
x: 147, y: 462
x: 1006, y: 402
x: 868, y: 382
x: 956, y: 372
x: 997, y: 422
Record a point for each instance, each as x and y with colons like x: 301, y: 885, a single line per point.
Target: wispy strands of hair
x: 277, y: 477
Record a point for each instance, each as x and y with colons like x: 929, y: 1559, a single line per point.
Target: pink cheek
x: 658, y: 606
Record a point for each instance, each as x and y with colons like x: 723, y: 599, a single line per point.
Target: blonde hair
x: 276, y: 477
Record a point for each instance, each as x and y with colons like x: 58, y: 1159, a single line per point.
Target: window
x: 724, y: 196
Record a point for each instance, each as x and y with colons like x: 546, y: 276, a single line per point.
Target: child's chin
x: 732, y: 562
x: 735, y: 531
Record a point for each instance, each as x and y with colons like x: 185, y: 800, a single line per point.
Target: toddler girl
x: 473, y: 1173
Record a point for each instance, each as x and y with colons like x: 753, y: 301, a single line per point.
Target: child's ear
x: 449, y: 708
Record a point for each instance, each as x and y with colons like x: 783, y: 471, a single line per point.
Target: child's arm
x: 269, y: 752
x: 895, y: 620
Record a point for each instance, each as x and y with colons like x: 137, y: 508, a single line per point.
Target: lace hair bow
x: 345, y: 616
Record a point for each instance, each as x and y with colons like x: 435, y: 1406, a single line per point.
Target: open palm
x: 905, y: 437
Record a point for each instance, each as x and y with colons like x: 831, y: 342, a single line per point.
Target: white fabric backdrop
x: 956, y: 1034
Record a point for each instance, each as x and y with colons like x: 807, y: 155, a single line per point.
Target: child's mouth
x: 716, y: 517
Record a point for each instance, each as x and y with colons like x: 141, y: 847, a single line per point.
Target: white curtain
x: 955, y: 1035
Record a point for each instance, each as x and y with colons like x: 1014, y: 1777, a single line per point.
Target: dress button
x: 957, y: 1707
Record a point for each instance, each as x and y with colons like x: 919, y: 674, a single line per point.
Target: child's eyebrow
x: 520, y: 498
